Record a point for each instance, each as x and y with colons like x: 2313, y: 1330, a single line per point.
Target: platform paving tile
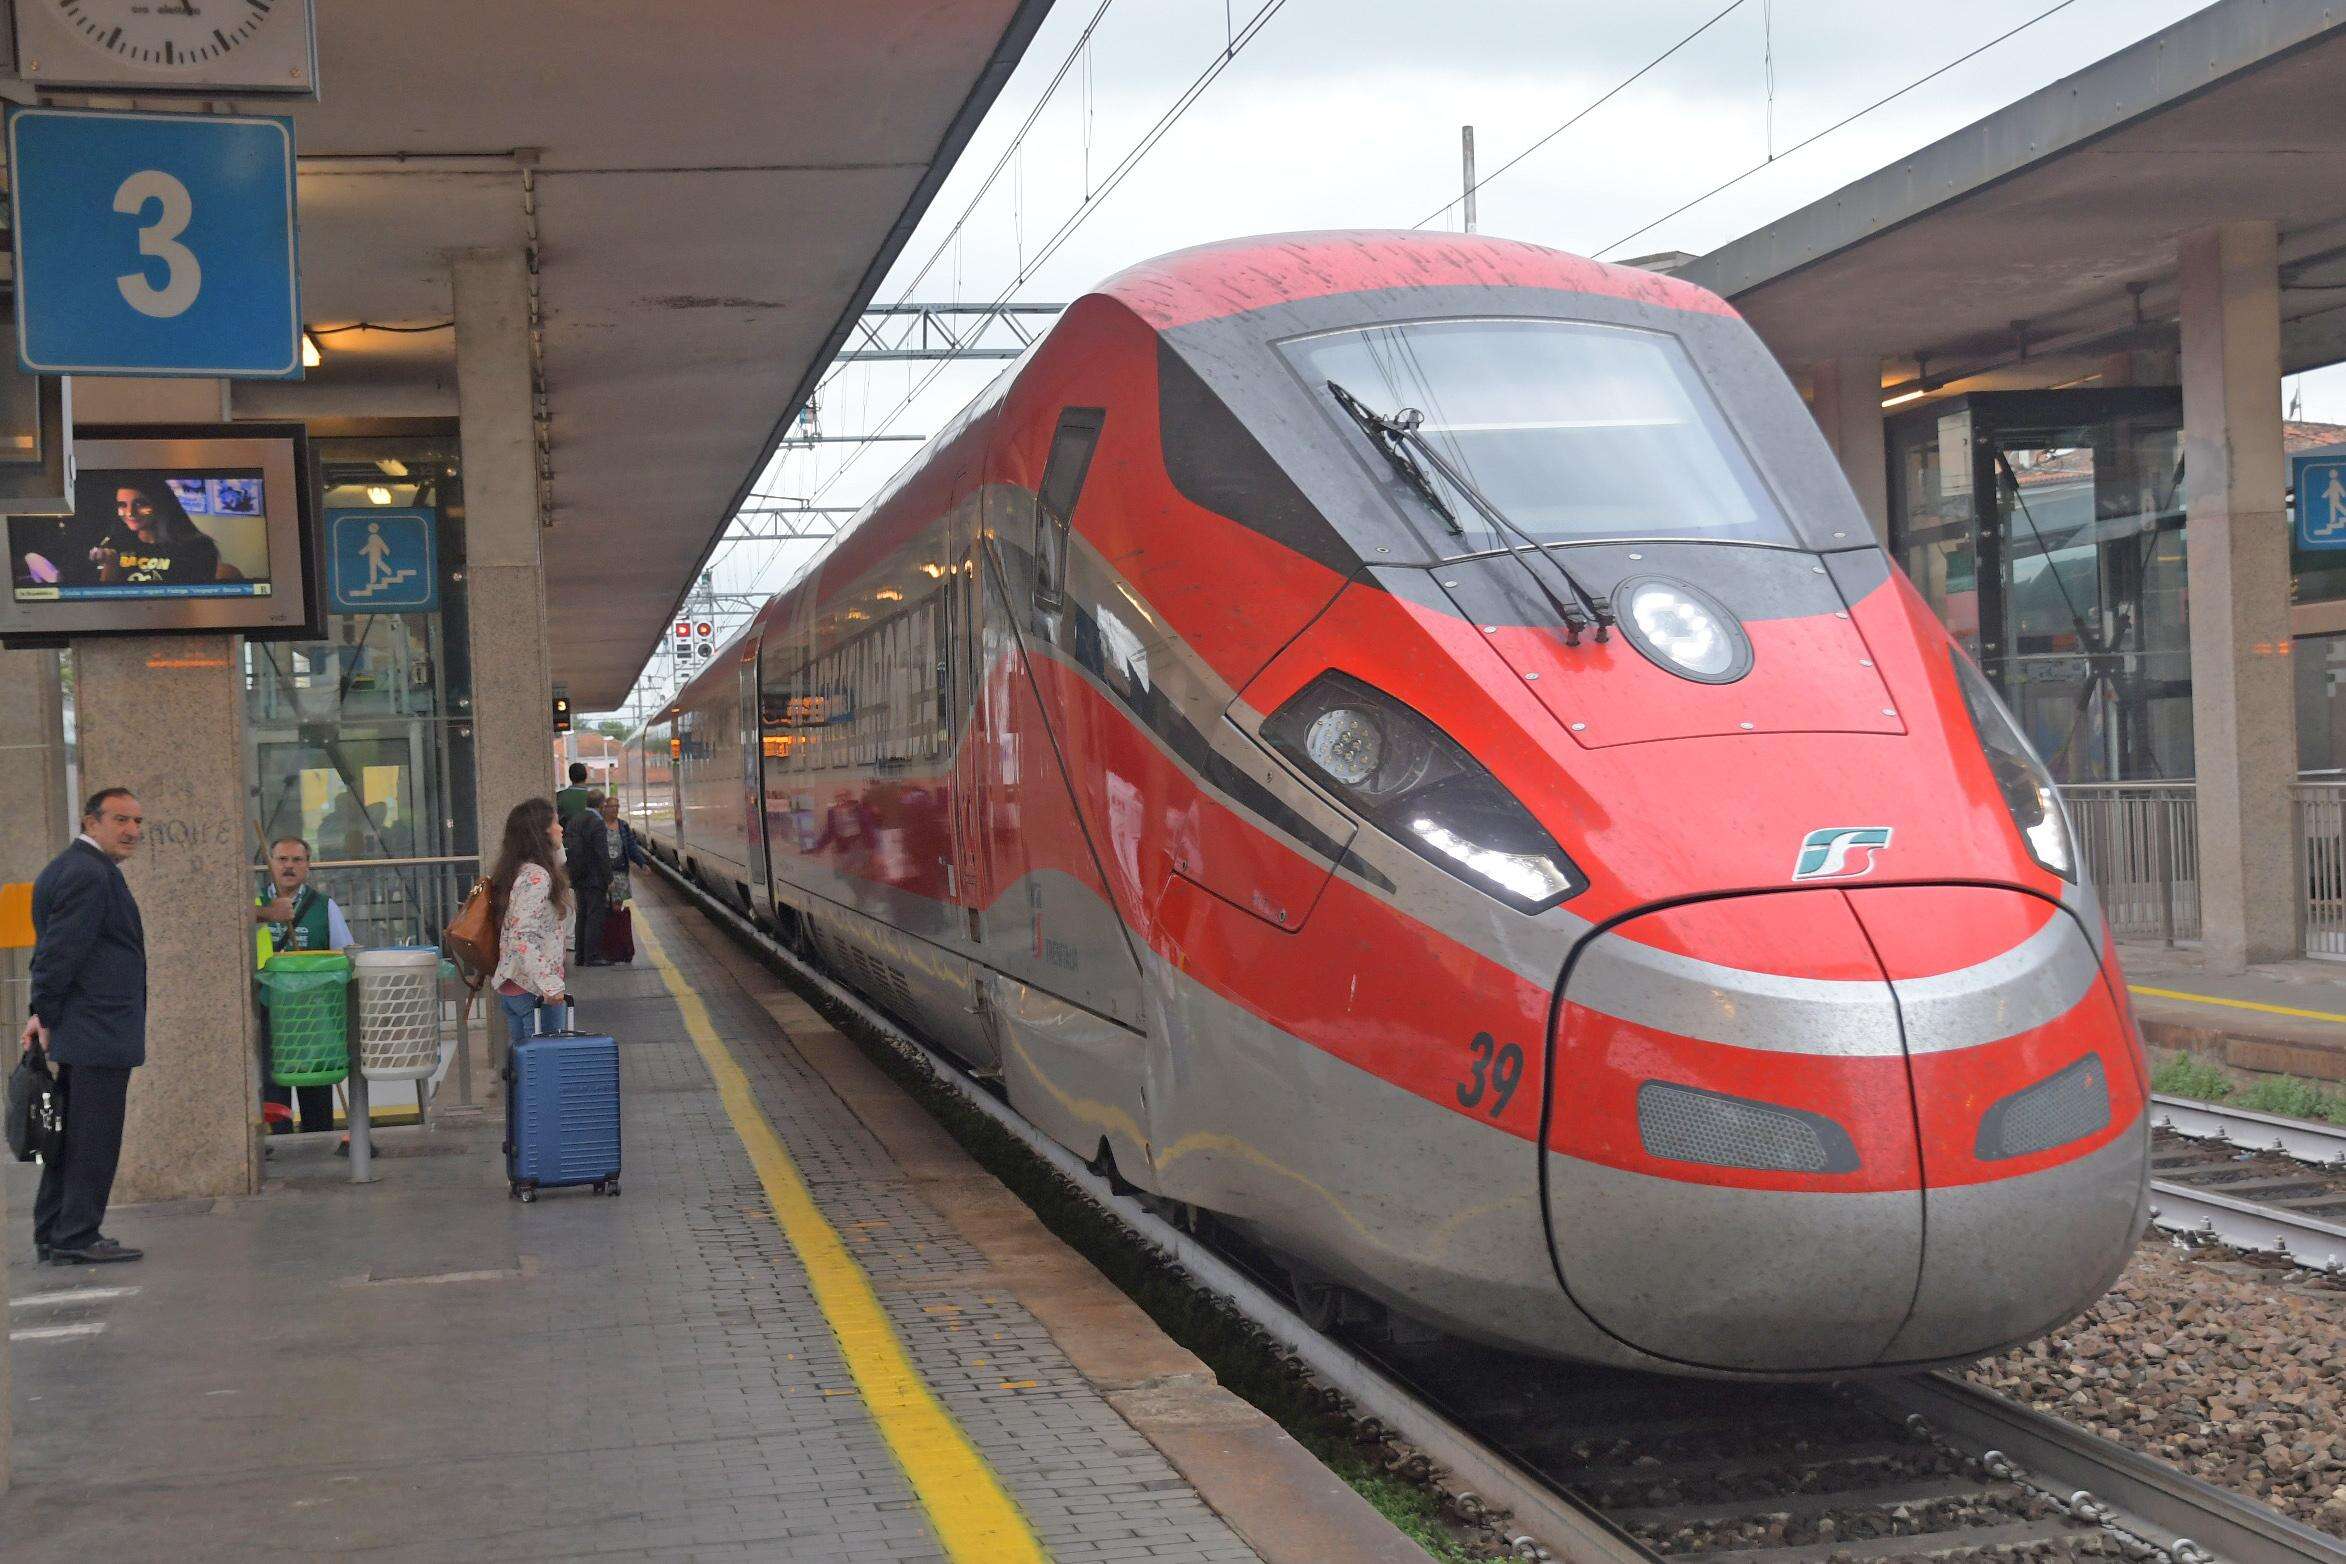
x: 424, y: 1369
x: 990, y: 1363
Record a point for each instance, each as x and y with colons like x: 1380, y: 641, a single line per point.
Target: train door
x: 959, y: 689
x: 1065, y: 996
x: 753, y: 782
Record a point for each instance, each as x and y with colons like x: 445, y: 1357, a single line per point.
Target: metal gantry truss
x: 912, y: 333
x: 884, y: 333
x: 779, y: 519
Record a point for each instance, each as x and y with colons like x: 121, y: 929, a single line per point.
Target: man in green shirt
x: 295, y: 916
x: 573, y: 798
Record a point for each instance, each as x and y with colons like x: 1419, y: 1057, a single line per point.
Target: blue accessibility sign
x: 2321, y: 501
x: 381, y: 562
x: 154, y: 244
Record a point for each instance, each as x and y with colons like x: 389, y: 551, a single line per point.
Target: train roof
x: 1232, y: 276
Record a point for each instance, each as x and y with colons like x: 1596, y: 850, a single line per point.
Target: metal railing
x: 2321, y: 856
x: 2140, y: 844
x: 397, y: 901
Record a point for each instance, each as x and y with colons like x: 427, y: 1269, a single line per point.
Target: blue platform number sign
x: 381, y: 562
x: 2321, y: 502
x: 154, y: 244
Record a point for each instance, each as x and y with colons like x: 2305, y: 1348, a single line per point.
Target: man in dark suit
x: 90, y: 1012
x: 586, y: 859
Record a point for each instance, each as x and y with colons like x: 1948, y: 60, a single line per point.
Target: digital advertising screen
x: 183, y: 531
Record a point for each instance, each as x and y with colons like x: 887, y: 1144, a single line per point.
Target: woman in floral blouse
x: 532, y: 898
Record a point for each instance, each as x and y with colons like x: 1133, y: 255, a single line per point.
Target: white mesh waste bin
x: 398, y: 1012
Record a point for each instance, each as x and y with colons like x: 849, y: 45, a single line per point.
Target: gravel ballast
x: 2231, y: 1368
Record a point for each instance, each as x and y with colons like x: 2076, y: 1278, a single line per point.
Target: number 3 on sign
x: 182, y: 276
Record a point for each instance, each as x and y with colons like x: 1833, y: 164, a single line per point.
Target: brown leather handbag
x: 471, y: 936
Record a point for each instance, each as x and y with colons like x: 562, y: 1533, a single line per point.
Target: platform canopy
x: 718, y: 187
x: 2034, y: 243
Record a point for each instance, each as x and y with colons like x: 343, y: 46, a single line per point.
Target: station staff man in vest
x: 90, y: 1013
x: 298, y: 917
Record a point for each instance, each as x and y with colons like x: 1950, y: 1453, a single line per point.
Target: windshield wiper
x: 1394, y: 439
x: 1398, y: 435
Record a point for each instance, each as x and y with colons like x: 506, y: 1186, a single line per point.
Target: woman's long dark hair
x: 525, y: 843
x: 172, y: 523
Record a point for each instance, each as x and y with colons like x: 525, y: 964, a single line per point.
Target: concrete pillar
x: 2243, y: 709
x: 512, y: 689
x: 164, y: 717
x: 1846, y: 396
x: 38, y: 821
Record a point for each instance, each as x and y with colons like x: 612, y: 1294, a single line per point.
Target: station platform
x: 809, y: 1329
x: 2285, y: 1017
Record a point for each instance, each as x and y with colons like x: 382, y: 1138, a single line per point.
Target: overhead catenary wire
x: 1235, y: 45
x: 1839, y: 124
x: 1609, y: 94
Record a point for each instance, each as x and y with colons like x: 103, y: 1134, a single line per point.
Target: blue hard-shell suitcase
x: 562, y: 1113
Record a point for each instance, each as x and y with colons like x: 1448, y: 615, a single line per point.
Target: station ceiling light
x: 377, y: 494
x: 311, y: 356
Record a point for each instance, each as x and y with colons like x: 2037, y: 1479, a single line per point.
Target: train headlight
x: 1344, y: 742
x: 2022, y: 778
x: 1408, y: 779
x: 1684, y: 630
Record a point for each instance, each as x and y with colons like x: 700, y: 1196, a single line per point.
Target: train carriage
x: 1406, y: 742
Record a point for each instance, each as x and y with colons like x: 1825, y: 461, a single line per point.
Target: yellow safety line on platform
x: 975, y: 1519
x: 2238, y: 1004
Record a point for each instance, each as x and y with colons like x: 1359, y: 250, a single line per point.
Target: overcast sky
x: 1346, y: 114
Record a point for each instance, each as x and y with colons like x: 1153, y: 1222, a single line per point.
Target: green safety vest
x: 309, y: 929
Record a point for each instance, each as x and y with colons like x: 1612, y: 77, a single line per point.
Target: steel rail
x: 2323, y: 1145
x: 2187, y: 1518
x: 2243, y: 1224
x: 1551, y: 1519
x: 2179, y: 1507
x: 2246, y: 1224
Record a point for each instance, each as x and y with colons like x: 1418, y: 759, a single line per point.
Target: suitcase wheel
x: 606, y: 1186
x: 528, y: 1195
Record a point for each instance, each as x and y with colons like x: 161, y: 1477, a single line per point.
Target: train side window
x: 1062, y: 485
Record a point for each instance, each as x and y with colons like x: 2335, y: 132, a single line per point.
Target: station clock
x: 208, y: 47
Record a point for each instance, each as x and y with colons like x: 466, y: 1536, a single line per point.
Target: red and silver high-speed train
x: 1407, y: 742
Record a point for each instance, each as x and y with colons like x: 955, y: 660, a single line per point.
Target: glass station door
x: 361, y: 741
x: 2046, y: 528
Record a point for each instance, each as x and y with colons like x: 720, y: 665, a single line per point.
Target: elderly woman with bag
x: 531, y: 898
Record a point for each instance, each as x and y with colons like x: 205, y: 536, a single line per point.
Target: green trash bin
x: 307, y: 992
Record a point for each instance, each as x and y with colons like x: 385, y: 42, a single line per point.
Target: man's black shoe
x: 104, y: 1251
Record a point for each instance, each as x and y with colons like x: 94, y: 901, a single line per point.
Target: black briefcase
x: 36, y: 1108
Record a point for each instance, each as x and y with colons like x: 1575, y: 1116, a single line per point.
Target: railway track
x: 2251, y: 1180
x: 1604, y: 1467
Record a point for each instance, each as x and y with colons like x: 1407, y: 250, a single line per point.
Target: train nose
x: 1791, y: 1133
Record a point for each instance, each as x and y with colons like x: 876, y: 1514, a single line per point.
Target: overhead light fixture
x: 391, y: 466
x: 311, y: 358
x: 1915, y: 395
x: 378, y: 495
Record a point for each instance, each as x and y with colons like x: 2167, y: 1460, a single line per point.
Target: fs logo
x: 1827, y: 854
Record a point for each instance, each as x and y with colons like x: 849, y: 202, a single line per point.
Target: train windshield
x: 1572, y: 431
